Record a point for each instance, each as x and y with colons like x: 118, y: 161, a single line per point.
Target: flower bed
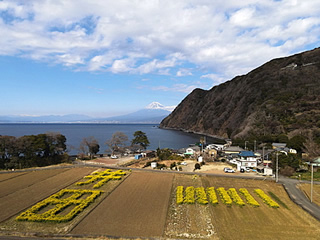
x: 103, y: 176
x: 212, y: 195
x: 250, y: 200
x: 266, y: 198
x: 224, y: 196
x: 235, y: 197
x: 179, y: 195
x: 59, y: 204
x: 189, y: 198
x: 201, y: 196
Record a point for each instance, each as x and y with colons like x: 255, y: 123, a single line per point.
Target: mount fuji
x: 152, y: 113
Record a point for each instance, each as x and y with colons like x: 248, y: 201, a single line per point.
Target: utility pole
x: 277, y: 168
x: 255, y: 145
x: 245, y: 145
x: 311, y: 182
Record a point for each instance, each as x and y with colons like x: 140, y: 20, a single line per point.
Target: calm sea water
x: 103, y: 132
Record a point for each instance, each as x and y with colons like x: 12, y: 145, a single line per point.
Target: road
x: 298, y: 197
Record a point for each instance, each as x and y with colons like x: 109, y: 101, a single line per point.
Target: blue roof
x: 246, y: 154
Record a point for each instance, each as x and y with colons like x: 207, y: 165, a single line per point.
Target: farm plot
x: 264, y: 222
x: 61, y: 211
x: 23, y: 198
x: 191, y: 221
x: 136, y: 208
x: 22, y: 181
x: 8, y: 175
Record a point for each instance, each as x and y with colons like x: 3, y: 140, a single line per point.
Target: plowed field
x: 262, y: 222
x: 33, y: 190
x: 136, y: 208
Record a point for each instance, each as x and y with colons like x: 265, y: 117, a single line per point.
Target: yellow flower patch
x: 76, y: 200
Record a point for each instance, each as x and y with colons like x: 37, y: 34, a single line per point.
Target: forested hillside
x: 281, y: 96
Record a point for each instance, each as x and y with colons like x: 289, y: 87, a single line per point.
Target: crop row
x: 250, y: 200
x: 102, y: 177
x: 266, y: 199
x: 55, y: 205
x: 191, y: 195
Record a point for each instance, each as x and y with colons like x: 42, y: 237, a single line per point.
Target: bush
x: 287, y: 171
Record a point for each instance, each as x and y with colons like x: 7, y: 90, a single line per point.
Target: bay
x: 74, y: 133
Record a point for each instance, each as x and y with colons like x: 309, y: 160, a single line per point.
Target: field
x: 144, y: 204
x: 306, y: 188
x: 138, y: 208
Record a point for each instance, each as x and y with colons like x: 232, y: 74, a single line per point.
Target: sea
x: 75, y: 132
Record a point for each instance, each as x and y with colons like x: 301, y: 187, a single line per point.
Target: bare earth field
x: 24, y: 197
x: 137, y: 208
x: 306, y: 188
x: 143, y: 204
x: 263, y: 222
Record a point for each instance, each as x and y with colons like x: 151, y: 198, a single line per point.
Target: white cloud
x: 226, y: 38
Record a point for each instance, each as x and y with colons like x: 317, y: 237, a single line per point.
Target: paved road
x: 299, y: 197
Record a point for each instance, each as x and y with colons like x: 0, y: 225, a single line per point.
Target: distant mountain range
x: 153, y: 113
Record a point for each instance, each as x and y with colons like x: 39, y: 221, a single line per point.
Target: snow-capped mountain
x: 152, y: 113
x: 157, y: 105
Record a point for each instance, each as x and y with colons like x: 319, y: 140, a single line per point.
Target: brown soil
x: 137, y: 208
x: 23, y: 198
x: 262, y: 222
x: 26, y: 180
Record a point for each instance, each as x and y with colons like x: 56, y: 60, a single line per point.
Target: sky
x: 106, y: 58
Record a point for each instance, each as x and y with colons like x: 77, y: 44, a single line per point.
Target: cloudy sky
x: 105, y: 58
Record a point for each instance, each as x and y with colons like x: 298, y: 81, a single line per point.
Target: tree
x: 117, y: 143
x: 89, y: 146
x: 140, y: 138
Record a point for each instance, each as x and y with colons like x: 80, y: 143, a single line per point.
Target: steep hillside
x: 281, y: 96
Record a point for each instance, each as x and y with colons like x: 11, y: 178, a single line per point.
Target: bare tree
x: 89, y: 146
x: 117, y: 143
x: 311, y: 147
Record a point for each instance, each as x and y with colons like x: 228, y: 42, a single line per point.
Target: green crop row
x: 56, y: 204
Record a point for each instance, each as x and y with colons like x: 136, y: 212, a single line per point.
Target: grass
x: 278, y: 200
x: 307, y: 176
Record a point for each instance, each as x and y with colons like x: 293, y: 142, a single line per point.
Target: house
x: 191, y: 151
x: 232, y: 150
x: 315, y: 163
x: 247, y: 159
x: 278, y: 145
x: 216, y: 146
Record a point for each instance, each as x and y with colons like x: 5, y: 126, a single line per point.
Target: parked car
x: 228, y: 170
x: 114, y: 156
x: 184, y: 163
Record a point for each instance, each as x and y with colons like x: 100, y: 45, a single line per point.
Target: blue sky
x: 105, y: 58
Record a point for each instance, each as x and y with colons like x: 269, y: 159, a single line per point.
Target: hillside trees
x: 32, y: 150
